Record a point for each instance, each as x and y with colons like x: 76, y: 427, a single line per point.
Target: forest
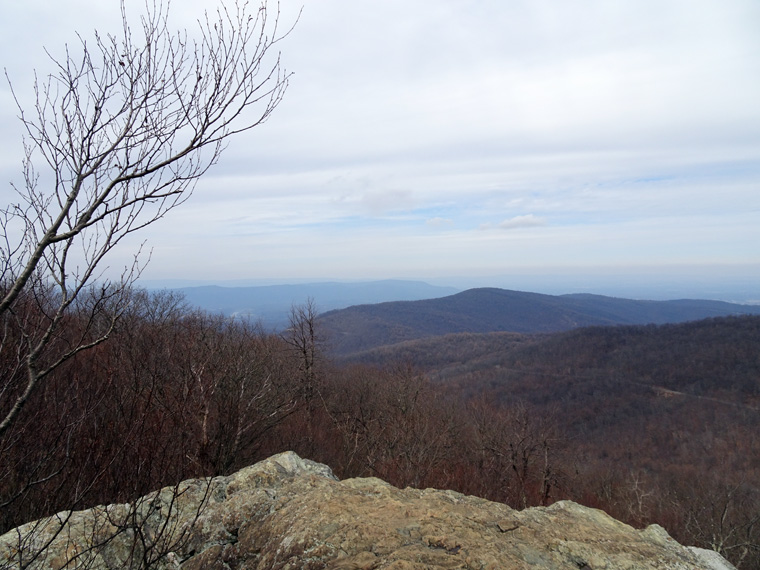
x: 653, y: 424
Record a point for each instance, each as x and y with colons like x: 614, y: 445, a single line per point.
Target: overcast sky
x: 433, y: 138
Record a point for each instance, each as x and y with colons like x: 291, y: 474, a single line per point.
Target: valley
x: 518, y: 398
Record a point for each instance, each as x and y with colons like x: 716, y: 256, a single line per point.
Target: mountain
x: 363, y: 327
x: 271, y: 303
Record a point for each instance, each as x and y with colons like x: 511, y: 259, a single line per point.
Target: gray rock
x: 287, y: 513
x: 711, y: 560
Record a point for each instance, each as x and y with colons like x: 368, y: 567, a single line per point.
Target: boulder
x: 288, y: 513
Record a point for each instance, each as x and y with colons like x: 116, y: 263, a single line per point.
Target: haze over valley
x: 271, y: 304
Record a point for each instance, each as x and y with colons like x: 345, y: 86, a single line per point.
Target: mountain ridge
x: 362, y: 327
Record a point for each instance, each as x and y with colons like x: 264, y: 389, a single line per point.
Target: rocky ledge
x: 288, y: 513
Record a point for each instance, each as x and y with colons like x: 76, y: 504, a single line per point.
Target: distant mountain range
x: 363, y: 327
x: 271, y: 304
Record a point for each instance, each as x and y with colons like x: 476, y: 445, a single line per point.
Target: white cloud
x: 526, y: 221
x: 439, y: 222
x: 615, y: 122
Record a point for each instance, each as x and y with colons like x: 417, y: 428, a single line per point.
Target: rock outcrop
x: 288, y: 513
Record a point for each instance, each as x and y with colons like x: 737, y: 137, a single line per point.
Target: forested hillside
x: 710, y: 357
x: 364, y: 327
x: 650, y: 423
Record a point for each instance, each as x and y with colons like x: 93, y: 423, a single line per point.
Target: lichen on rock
x: 287, y: 512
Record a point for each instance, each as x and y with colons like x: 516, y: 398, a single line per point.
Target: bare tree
x: 395, y: 425
x: 303, y: 337
x: 724, y: 517
x: 305, y: 343
x: 118, y: 136
x: 518, y: 453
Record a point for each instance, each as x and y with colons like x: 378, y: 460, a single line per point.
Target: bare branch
x: 123, y: 129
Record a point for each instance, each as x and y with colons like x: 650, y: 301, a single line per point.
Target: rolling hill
x: 363, y: 327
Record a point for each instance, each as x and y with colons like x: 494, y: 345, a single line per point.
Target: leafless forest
x: 619, y: 418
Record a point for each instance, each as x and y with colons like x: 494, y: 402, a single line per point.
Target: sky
x: 467, y: 142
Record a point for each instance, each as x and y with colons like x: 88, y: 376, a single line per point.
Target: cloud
x: 599, y: 119
x: 382, y: 202
x: 439, y: 222
x: 525, y: 221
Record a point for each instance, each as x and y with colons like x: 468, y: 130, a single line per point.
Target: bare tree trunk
x: 124, y: 129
